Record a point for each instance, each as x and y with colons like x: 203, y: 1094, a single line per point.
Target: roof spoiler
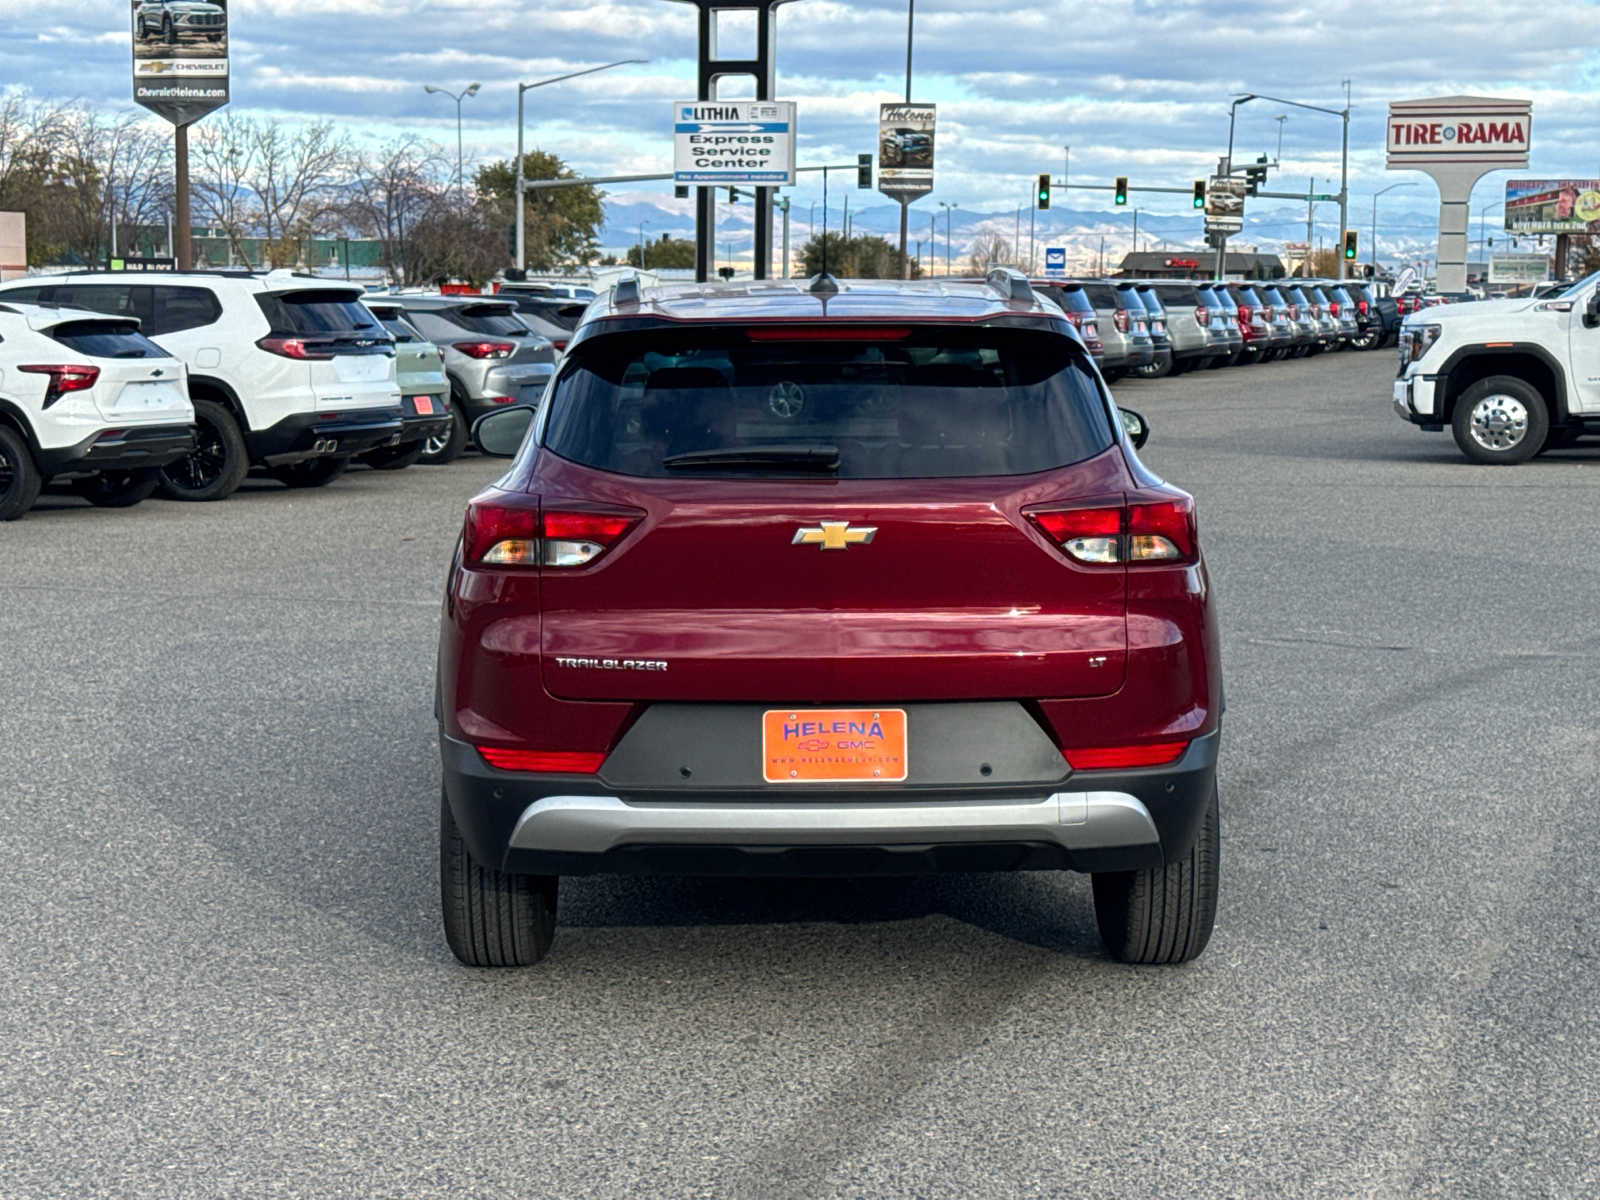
x: 1010, y: 283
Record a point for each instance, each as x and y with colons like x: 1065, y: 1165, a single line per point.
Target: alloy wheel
x: 203, y: 465
x: 1499, y: 422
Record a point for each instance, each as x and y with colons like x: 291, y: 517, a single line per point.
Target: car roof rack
x: 1011, y: 284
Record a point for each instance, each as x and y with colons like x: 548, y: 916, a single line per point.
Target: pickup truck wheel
x: 118, y: 489
x: 217, y: 465
x: 20, y: 480
x: 1501, y: 420
x: 1163, y: 914
x: 491, y: 918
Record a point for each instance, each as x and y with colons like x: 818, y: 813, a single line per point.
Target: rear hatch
x: 521, y: 372
x: 418, y: 365
x: 138, y: 382
x: 348, y: 355
x: 827, y: 521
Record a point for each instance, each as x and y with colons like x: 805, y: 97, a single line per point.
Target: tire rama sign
x: 180, y: 57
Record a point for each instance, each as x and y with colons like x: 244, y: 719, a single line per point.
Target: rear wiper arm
x: 807, y: 458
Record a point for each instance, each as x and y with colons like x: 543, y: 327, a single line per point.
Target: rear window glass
x: 315, y: 313
x: 939, y: 402
x: 494, y: 319
x: 1102, y: 295
x: 1071, y: 299
x: 1150, y: 300
x: 394, y: 325
x: 1178, y: 297
x: 106, y: 339
x: 178, y: 308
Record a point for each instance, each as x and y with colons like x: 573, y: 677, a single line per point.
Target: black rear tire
x: 438, y: 451
x: 20, y: 480
x: 217, y: 465
x: 311, y: 473
x: 392, y: 458
x: 491, y: 918
x: 1163, y: 914
x: 118, y: 489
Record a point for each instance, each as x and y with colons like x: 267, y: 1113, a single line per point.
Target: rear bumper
x: 574, y: 825
x: 314, y: 435
x: 120, y: 450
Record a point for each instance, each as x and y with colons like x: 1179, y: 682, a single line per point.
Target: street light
x: 947, y: 206
x: 470, y: 90
x: 1280, y: 119
x: 1375, y: 195
x: 1483, y: 212
x: 1344, y: 152
x: 521, y: 183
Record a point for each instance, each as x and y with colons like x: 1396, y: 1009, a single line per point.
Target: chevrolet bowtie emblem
x: 833, y: 535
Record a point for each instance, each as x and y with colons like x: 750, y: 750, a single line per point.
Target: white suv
x: 288, y: 373
x: 89, y: 399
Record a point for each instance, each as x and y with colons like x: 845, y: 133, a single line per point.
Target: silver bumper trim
x: 596, y: 824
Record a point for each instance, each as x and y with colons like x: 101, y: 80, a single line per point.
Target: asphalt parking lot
x: 223, y: 972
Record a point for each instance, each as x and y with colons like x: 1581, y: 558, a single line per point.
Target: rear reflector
x: 1106, y: 758
x: 827, y: 333
x: 570, y: 762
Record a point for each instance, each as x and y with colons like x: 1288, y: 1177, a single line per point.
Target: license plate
x: 423, y: 405
x: 833, y: 745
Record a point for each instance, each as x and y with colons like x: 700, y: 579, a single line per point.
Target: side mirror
x: 1137, y: 429
x: 1591, y: 310
x: 500, y: 433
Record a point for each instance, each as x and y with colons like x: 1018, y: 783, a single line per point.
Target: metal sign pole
x: 183, y: 249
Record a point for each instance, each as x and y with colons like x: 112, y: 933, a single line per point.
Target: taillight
x: 485, y: 349
x: 1316, y: 312
x: 1268, y: 313
x: 1361, y: 307
x: 561, y: 346
x: 1244, y: 314
x: 299, y: 348
x: 1333, y: 308
x: 1161, y: 531
x: 1102, y: 758
x: 513, y: 532
x: 64, y: 378
x: 571, y: 762
x: 1294, y: 312
x: 1120, y: 320
x: 1202, y: 316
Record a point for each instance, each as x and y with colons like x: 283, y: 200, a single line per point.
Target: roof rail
x: 1010, y: 283
x: 625, y: 290
x: 822, y: 284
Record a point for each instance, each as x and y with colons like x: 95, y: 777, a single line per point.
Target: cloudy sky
x: 1136, y: 87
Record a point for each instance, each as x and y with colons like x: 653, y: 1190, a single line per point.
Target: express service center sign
x: 733, y: 142
x: 180, y: 57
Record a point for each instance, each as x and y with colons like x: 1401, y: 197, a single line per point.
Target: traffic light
x: 1120, y: 196
x: 1199, y: 193
x: 1255, y: 174
x: 863, y: 170
x: 1044, y: 189
x: 681, y: 191
x: 1350, y: 243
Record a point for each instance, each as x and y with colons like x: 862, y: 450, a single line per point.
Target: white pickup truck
x: 1510, y: 378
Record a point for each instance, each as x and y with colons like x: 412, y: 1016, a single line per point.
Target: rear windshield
x: 318, y: 313
x: 1245, y: 296
x: 394, y: 325
x: 1225, y: 299
x: 494, y: 319
x: 1071, y: 299
x: 936, y: 402
x: 1181, y: 297
x: 561, y: 313
x: 1149, y: 299
x: 107, y: 339
x: 1103, y: 295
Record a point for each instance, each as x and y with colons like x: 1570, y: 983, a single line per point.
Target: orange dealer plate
x: 833, y: 745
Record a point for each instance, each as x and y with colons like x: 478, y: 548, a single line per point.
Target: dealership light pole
x: 522, y: 217
x: 470, y: 90
x: 1373, y: 249
x: 905, y: 204
x: 1344, y: 148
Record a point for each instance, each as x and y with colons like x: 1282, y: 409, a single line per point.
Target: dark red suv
x: 827, y: 578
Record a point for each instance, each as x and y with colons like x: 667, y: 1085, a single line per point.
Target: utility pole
x: 1032, y: 209
x: 1311, y: 186
x: 1344, y: 176
x: 905, y: 204
x: 1136, y: 231
x: 183, y: 249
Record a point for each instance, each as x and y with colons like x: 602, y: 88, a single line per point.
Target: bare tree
x: 456, y: 241
x: 294, y: 177
x: 991, y: 251
x: 392, y: 189
x: 221, y: 160
x: 111, y: 170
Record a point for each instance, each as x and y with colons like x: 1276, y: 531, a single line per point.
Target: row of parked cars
x: 122, y: 384
x: 1151, y: 328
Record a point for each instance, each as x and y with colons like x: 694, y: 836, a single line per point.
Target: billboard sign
x: 1553, y: 205
x: 733, y: 142
x: 905, y: 150
x: 180, y: 57
x: 1465, y: 130
x: 1518, y: 268
x: 1224, y: 204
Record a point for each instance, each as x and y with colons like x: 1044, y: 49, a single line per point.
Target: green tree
x: 666, y: 253
x: 862, y: 257
x: 563, y: 224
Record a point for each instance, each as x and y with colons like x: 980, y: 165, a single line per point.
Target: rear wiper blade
x: 808, y: 458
